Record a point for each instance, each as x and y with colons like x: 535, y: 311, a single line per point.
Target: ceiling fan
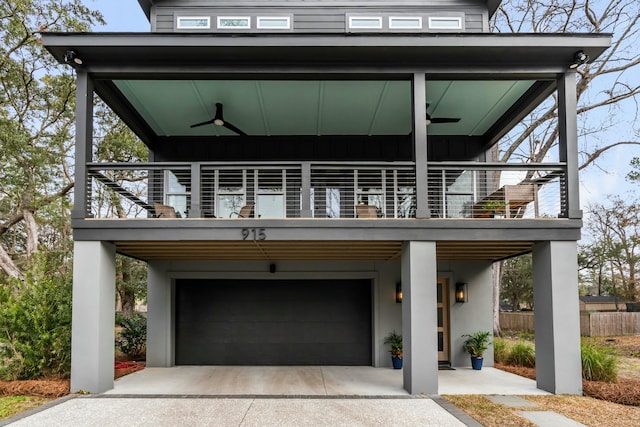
x: 429, y: 120
x: 218, y: 120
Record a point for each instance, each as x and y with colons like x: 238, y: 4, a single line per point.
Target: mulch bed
x: 626, y: 391
x: 120, y: 369
x: 41, y: 388
x: 58, y: 387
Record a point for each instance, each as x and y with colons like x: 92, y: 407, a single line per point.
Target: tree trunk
x: 32, y: 232
x: 497, y: 277
x: 128, y: 301
x: 9, y: 266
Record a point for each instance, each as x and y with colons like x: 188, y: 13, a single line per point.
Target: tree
x: 607, y: 88
x: 36, y: 129
x: 517, y: 281
x: 616, y: 228
x: 592, y: 268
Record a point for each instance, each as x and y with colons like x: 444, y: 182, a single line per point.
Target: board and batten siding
x: 327, y: 16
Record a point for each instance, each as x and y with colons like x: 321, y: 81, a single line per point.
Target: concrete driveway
x: 274, y: 396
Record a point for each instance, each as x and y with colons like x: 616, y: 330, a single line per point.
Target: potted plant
x: 475, y: 344
x: 495, y: 208
x: 395, y: 341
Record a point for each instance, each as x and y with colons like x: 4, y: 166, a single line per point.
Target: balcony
x: 324, y: 190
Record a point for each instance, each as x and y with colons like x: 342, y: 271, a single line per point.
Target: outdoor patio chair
x: 366, y: 211
x: 245, y: 212
x: 164, y: 211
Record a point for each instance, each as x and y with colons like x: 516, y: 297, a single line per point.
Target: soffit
x: 313, y: 251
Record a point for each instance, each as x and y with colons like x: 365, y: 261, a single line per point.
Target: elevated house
x: 320, y: 174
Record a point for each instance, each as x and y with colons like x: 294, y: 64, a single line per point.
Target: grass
x: 522, y: 353
x: 598, y: 364
x: 13, y: 405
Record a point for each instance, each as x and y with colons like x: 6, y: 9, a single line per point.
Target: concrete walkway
x: 274, y: 396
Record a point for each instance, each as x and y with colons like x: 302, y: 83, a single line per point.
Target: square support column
x: 84, y: 142
x: 420, y: 145
x: 557, y: 317
x: 93, y: 318
x: 568, y: 140
x: 159, y: 317
x: 419, y: 317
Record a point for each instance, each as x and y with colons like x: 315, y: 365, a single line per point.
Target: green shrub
x: 132, y: 339
x: 522, y: 354
x: 598, y: 364
x: 35, y: 322
x: 500, y: 350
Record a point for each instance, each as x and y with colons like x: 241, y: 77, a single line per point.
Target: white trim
x: 193, y: 27
x: 273, y: 18
x: 456, y: 19
x: 405, y: 18
x: 365, y: 27
x: 219, y: 19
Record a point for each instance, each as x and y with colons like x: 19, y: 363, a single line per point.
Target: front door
x: 443, y: 319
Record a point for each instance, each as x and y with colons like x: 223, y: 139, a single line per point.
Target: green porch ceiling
x: 318, y: 107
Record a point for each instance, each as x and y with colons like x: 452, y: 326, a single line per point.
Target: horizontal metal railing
x: 496, y: 190
x: 323, y: 190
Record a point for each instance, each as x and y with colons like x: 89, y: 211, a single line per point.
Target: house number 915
x: 254, y: 234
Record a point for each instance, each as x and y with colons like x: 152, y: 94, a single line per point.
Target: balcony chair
x: 366, y: 211
x: 245, y: 212
x: 164, y: 211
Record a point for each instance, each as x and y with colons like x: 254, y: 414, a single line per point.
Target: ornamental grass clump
x: 500, y: 350
x: 598, y: 364
x: 522, y: 354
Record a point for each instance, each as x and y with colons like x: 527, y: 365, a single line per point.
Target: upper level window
x: 445, y: 23
x: 194, y: 22
x: 365, y: 22
x: 274, y: 22
x: 234, y: 22
x: 405, y: 22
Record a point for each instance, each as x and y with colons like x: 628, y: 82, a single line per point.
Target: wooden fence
x: 604, y: 324
x: 592, y: 324
x: 519, y: 321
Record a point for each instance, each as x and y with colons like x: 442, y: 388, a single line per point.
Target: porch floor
x: 311, y: 381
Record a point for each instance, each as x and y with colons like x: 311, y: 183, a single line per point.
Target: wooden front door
x: 443, y: 319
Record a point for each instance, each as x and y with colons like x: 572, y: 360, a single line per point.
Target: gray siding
x: 319, y: 16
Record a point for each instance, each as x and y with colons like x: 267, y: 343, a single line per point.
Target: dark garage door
x: 273, y: 322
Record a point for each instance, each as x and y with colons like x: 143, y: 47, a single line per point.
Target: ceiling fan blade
x: 232, y: 128
x: 445, y: 120
x: 202, y: 123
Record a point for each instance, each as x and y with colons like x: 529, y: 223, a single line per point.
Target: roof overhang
x: 190, y: 53
x: 135, y: 73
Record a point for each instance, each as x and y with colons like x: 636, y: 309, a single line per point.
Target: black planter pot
x: 397, y: 362
x: 476, y: 363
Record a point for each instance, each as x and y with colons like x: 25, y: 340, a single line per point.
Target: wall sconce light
x: 578, y: 59
x: 399, y: 293
x: 71, y: 57
x: 461, y: 292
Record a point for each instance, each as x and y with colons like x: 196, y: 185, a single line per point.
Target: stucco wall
x: 474, y: 315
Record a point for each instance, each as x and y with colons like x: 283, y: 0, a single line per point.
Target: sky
x: 605, y: 178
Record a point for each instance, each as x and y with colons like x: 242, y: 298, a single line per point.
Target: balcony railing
x: 323, y: 190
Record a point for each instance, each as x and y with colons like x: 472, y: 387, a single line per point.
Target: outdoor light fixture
x: 71, y: 57
x: 272, y: 268
x: 578, y: 59
x: 399, y: 292
x: 461, y: 292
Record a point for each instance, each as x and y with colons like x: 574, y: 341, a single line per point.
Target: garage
x: 273, y: 322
